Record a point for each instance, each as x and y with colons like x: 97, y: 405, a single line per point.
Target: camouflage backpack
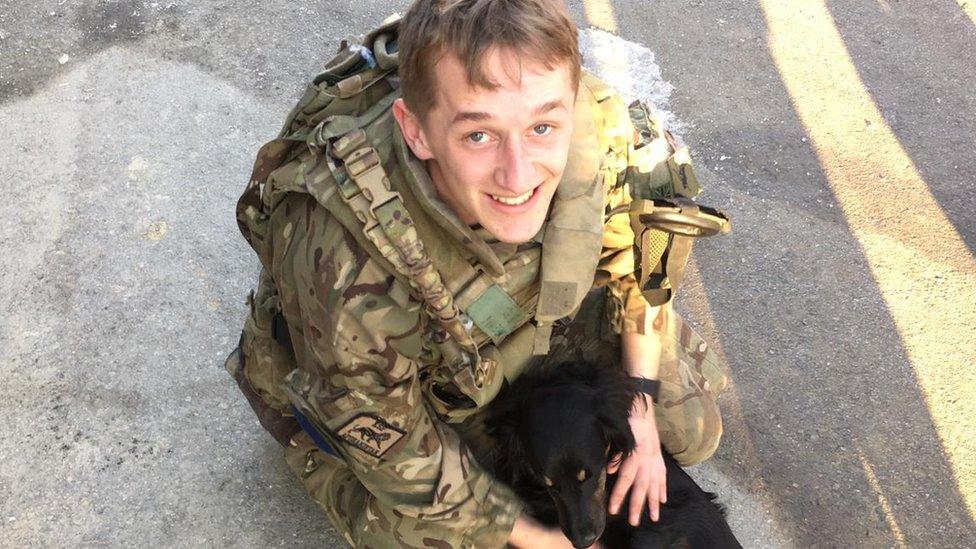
x: 353, y: 88
x: 338, y: 119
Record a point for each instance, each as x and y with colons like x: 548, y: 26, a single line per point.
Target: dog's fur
x: 556, y: 425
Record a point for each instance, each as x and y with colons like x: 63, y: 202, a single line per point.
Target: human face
x: 496, y: 156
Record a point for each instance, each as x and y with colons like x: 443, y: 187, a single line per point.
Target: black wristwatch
x: 648, y: 386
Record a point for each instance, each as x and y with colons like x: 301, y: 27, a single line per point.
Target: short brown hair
x: 540, y: 30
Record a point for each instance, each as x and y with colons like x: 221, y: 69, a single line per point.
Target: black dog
x: 556, y: 426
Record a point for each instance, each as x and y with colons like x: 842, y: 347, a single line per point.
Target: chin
x: 521, y: 225
x: 516, y: 232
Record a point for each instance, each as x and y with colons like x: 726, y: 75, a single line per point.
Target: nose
x: 515, y: 172
x: 586, y: 541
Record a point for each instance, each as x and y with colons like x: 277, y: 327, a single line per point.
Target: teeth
x: 513, y: 201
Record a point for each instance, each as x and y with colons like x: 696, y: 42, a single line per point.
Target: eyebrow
x: 478, y: 116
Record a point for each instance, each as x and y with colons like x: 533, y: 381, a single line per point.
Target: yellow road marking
x: 925, y: 272
x: 885, y: 506
x: 969, y: 7
x: 600, y: 14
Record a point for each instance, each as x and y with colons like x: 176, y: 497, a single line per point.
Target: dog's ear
x: 616, y: 431
x: 518, y: 464
x: 504, y: 414
x: 614, y: 398
x: 510, y: 460
x: 504, y: 418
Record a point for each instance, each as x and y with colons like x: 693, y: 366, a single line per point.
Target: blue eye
x: 542, y: 129
x: 478, y: 137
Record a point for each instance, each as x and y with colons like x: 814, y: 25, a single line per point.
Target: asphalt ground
x: 129, y: 129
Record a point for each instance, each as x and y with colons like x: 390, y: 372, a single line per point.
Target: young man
x: 469, y: 228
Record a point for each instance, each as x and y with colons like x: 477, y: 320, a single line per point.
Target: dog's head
x: 559, y: 427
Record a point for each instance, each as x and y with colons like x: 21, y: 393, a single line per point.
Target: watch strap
x: 649, y: 387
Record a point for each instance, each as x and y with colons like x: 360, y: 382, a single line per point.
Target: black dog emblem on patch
x: 371, y: 434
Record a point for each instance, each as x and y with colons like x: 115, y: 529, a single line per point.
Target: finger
x: 614, y: 464
x: 624, y: 480
x: 658, y: 494
x: 638, y: 494
x: 661, y: 475
x: 653, y: 504
x: 664, y: 487
x: 620, y: 489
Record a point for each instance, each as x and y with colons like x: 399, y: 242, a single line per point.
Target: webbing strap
x: 334, y: 126
x: 680, y: 250
x: 543, y: 335
x: 313, y: 433
x: 363, y: 168
x: 665, y: 231
x: 388, y: 225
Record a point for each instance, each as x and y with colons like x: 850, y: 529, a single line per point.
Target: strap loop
x: 347, y: 143
x: 543, y: 334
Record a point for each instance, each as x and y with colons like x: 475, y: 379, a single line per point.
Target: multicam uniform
x: 409, y: 443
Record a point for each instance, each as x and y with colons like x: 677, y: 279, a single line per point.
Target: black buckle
x: 279, y: 330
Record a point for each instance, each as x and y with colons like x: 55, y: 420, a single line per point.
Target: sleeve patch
x: 371, y: 434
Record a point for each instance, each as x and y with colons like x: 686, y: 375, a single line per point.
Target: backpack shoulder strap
x: 352, y: 91
x: 387, y: 223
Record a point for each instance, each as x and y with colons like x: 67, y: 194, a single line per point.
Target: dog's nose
x: 586, y: 541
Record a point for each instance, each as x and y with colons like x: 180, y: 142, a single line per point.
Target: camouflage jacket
x: 358, y: 333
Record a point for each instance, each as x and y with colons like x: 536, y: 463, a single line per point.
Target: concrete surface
x: 128, y: 131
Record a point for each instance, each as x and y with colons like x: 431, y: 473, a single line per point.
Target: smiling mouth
x: 514, y: 200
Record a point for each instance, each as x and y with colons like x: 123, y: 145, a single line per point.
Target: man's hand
x: 529, y: 534
x: 643, y: 472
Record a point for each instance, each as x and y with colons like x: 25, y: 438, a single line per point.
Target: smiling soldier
x: 450, y: 200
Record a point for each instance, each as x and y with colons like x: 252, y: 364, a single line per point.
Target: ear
x: 617, y: 392
x: 517, y: 461
x: 413, y: 131
x: 509, y: 460
x: 616, y: 431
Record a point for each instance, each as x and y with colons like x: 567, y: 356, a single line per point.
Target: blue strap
x: 313, y: 433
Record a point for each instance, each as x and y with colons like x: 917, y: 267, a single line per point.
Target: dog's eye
x: 582, y: 476
x: 548, y: 481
